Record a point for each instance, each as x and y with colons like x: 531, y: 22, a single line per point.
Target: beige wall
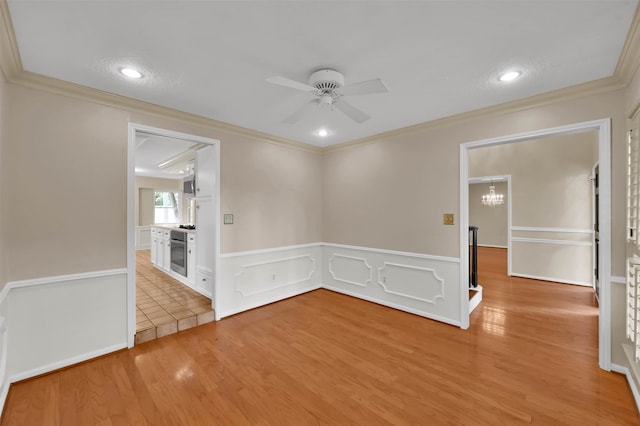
x: 392, y: 191
x: 71, y: 158
x: 145, y: 188
x: 618, y: 291
x: 491, y: 221
x: 549, y: 178
x: 3, y: 206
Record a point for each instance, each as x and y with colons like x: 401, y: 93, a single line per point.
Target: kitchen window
x: 166, y: 207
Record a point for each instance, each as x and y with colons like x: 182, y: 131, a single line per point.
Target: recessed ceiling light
x: 509, y: 76
x: 322, y: 133
x: 131, y: 73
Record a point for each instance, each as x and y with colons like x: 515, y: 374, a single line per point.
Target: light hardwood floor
x: 529, y: 357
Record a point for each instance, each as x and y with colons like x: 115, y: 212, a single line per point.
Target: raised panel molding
x: 253, y: 279
x: 412, y: 282
x: 350, y: 269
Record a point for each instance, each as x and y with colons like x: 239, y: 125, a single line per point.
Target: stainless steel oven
x: 179, y: 252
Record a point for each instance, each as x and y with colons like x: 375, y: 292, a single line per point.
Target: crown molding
x: 10, y: 62
x: 629, y: 59
x: 607, y: 84
x: 11, y: 66
x: 73, y: 90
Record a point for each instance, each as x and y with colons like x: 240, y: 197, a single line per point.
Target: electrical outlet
x: 447, y: 219
x: 273, y: 276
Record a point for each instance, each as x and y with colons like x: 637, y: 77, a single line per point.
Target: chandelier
x: 492, y: 199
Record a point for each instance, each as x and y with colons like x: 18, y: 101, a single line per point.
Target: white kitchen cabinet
x: 191, y: 258
x: 154, y: 246
x: 205, y: 172
x: 166, y: 249
x: 204, y: 282
x: 205, y: 256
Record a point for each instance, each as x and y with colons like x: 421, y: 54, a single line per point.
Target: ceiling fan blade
x: 304, y: 110
x: 282, y: 81
x: 365, y: 88
x: 352, y: 112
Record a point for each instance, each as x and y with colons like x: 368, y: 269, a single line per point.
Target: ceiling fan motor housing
x: 326, y: 81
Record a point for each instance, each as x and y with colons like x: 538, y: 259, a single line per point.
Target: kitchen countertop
x: 175, y: 228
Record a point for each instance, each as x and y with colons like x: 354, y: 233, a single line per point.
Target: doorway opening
x: 602, y: 129
x: 173, y: 233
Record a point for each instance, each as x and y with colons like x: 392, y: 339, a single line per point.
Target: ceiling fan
x: 328, y: 87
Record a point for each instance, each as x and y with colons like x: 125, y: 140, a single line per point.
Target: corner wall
x: 66, y: 275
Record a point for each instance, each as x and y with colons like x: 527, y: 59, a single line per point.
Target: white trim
x: 131, y: 260
x: 60, y: 278
x: 264, y: 302
x: 3, y: 395
x: 618, y: 280
x: 548, y: 241
x: 343, y: 246
x: 394, y: 306
x: 267, y: 250
x: 492, y: 246
x: 463, y: 234
x: 66, y: 362
x: 475, y: 300
x: 557, y: 280
x: 632, y: 384
x: 544, y: 229
x: 394, y: 252
x: 603, y: 126
x: 487, y: 179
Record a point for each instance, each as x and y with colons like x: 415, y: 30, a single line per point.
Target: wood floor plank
x: 530, y: 356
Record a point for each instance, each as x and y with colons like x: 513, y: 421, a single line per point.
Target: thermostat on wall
x: 228, y: 219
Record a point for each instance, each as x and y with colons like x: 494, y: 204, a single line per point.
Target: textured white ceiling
x: 211, y: 58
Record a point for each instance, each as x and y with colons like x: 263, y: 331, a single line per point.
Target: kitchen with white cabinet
x: 175, y: 236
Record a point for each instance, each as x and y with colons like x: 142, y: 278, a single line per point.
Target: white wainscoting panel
x: 400, y: 279
x: 59, y: 321
x: 252, y: 279
x: 143, y: 237
x: 565, y: 263
x: 424, y: 285
x: 350, y: 270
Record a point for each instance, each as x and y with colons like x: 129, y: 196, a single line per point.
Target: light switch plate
x: 228, y: 219
x: 447, y: 219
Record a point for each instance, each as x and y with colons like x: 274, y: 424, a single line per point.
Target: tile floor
x: 163, y: 304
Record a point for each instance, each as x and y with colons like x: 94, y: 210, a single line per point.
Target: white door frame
x: 498, y: 178
x: 131, y: 245
x: 593, y: 231
x: 603, y: 127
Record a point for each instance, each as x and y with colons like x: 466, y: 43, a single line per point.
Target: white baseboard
x: 264, y: 302
x: 65, y: 363
x: 393, y: 305
x: 144, y: 247
x: 557, y: 280
x: 492, y: 246
x: 632, y: 384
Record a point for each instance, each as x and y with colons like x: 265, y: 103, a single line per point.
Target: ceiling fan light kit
x: 328, y: 87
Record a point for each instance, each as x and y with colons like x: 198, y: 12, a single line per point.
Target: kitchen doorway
x: 162, y: 265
